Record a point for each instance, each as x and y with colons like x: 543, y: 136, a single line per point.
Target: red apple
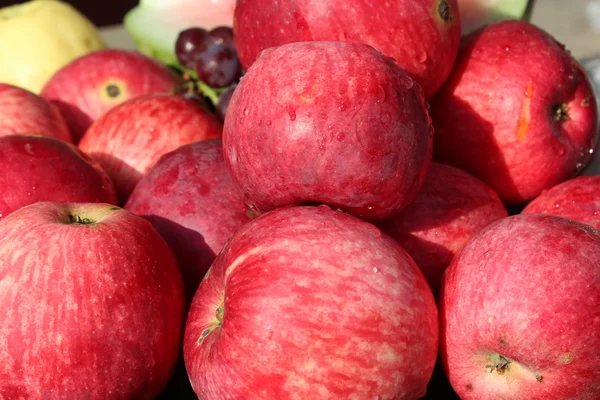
x: 357, y: 136
x: 421, y: 35
x: 190, y: 199
x: 131, y: 137
x: 311, y: 303
x: 37, y: 168
x: 451, y: 206
x: 91, y: 306
x: 91, y: 85
x: 519, y: 311
x: 25, y: 113
x: 577, y: 199
x: 517, y: 112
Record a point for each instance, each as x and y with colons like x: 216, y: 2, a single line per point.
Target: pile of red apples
x: 383, y: 199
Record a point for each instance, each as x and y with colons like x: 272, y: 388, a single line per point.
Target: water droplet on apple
x: 423, y: 56
x: 381, y: 95
x: 376, y: 270
x: 406, y: 82
x: 570, y: 77
x: 246, y: 111
x: 269, y: 123
x: 591, y: 151
x: 292, y: 113
x: 557, y: 205
x: 596, y: 213
x: 340, y: 136
x: 578, y: 165
x: 507, y: 48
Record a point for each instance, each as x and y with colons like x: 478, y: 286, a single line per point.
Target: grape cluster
x: 213, y: 58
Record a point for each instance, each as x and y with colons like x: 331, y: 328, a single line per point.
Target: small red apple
x: 91, y: 306
x: 451, y: 206
x: 357, y: 136
x: 25, y: 113
x: 37, y: 168
x: 190, y: 199
x: 311, y: 303
x: 577, y: 199
x: 421, y: 35
x: 89, y: 86
x: 519, y: 311
x: 517, y: 112
x: 131, y: 137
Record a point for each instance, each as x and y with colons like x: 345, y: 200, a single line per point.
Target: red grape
x: 223, y: 103
x: 220, y: 35
x: 190, y: 43
x: 218, y: 66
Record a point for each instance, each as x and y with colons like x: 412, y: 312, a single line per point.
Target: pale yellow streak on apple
x: 241, y: 259
x: 525, y: 116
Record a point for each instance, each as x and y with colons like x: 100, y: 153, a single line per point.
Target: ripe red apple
x: 357, y: 136
x: 451, y: 206
x: 37, y: 168
x: 519, y: 311
x: 421, y: 35
x: 517, y: 112
x: 91, y: 306
x: 190, y: 199
x: 131, y: 137
x: 309, y: 302
x: 25, y: 113
x: 91, y: 85
x: 577, y: 199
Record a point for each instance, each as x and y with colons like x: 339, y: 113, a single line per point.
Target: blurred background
x: 570, y: 21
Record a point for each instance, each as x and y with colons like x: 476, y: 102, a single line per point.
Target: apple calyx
x: 560, y: 112
x: 443, y: 10
x: 112, y: 90
x: 78, y: 219
x: 499, y: 364
x: 220, y: 311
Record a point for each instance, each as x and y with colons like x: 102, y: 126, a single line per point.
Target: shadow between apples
x: 480, y: 138
x: 76, y: 120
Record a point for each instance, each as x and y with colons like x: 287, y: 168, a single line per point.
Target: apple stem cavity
x: 560, y: 112
x: 220, y: 312
x: 78, y: 219
x: 443, y: 10
x: 499, y: 363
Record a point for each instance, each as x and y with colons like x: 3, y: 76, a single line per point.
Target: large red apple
x: 311, y: 303
x: 37, y: 168
x: 91, y: 306
x: 357, y: 136
x: 131, y: 137
x: 517, y: 112
x: 577, y: 199
x: 421, y: 35
x: 190, y: 199
x: 451, y: 206
x: 25, y: 113
x: 91, y: 85
x: 519, y: 311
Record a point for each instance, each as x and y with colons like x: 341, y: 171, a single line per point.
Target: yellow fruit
x: 40, y: 37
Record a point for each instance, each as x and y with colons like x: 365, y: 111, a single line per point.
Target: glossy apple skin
x: 451, y: 206
x: 577, y: 199
x: 495, y: 116
x: 89, y: 86
x: 313, y: 303
x: 260, y: 24
x: 526, y: 287
x: 130, y: 138
x: 87, y: 311
x: 25, y: 113
x: 357, y: 137
x: 37, y: 168
x: 190, y: 199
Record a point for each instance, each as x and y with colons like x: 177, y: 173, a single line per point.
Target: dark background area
x: 100, y: 12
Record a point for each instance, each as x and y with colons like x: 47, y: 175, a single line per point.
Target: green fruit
x: 155, y: 24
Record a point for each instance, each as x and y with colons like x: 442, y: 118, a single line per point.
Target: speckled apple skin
x: 423, y: 36
x: 451, y: 207
x: 526, y: 287
x: 190, y: 199
x: 25, y: 113
x: 89, y: 86
x: 349, y: 129
x: 86, y: 311
x: 315, y: 304
x: 577, y: 199
x: 130, y: 138
x: 495, y: 115
x: 38, y: 168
